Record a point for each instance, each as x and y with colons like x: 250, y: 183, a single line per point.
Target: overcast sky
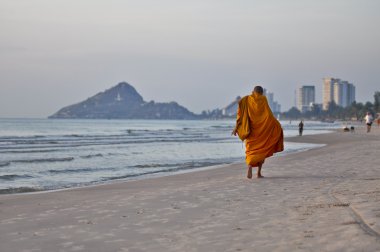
x: 200, y: 53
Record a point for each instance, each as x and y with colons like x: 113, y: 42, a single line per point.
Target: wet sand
x: 324, y: 199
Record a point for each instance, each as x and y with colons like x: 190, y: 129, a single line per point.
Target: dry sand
x: 325, y: 199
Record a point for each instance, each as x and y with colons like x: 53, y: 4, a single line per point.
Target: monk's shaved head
x: 258, y: 89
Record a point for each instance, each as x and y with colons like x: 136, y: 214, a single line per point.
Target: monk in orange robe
x: 264, y: 135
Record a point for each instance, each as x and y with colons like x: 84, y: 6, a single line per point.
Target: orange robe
x: 266, y: 136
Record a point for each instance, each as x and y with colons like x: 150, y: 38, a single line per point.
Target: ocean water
x: 47, y: 154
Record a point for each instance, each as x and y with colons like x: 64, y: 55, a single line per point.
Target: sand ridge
x: 325, y: 199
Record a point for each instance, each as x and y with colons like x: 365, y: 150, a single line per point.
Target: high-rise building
x: 231, y: 109
x: 305, y: 98
x: 351, y: 94
x: 328, y: 92
x: 339, y: 91
x: 274, y: 106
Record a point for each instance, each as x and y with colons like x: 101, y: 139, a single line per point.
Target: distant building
x: 328, y: 92
x: 344, y: 93
x: 305, y: 98
x: 274, y: 105
x: 339, y: 91
x: 231, y: 109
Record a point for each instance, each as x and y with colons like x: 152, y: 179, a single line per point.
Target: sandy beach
x: 324, y: 199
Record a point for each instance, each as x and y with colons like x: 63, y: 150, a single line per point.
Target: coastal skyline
x: 201, y: 54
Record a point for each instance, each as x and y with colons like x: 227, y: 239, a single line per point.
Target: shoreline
x: 158, y: 174
x: 326, y: 198
x: 125, y: 180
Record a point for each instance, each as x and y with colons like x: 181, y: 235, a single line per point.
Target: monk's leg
x: 249, y: 172
x: 259, y: 170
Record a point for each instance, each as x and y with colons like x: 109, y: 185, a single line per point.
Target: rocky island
x: 123, y: 102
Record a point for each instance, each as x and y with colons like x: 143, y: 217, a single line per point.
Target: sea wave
x: 14, y: 176
x: 222, y: 127
x: 19, y: 190
x: 23, y: 151
x: 73, y: 144
x: 42, y: 160
x: 2, y: 164
x: 92, y: 155
x: 155, y: 165
x: 79, y: 170
x: 181, y: 165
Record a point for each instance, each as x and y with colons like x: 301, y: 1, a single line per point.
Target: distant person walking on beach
x: 261, y: 131
x: 368, y: 120
x: 300, y: 128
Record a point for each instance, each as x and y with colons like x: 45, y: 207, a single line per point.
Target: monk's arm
x: 234, y: 132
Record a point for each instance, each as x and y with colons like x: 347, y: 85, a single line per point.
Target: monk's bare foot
x: 259, y: 170
x: 249, y: 172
